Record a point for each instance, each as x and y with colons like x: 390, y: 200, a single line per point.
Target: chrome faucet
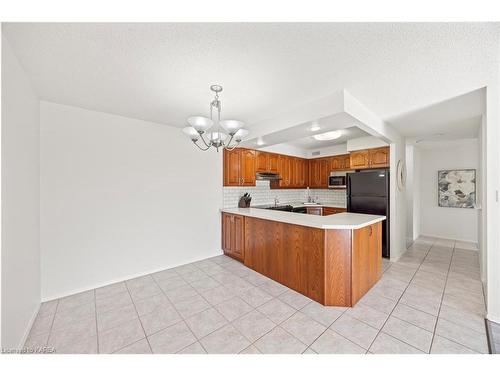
x: 276, y: 201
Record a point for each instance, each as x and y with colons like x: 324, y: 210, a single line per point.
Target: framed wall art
x: 457, y: 188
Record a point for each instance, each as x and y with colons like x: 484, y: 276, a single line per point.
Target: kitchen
x: 295, y: 232
x: 350, y: 185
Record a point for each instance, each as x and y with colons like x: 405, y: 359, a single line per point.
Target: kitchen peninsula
x: 332, y: 259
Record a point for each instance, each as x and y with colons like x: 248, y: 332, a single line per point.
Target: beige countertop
x: 345, y: 220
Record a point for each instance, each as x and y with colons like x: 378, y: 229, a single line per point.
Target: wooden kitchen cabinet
x: 335, y: 163
x: 315, y: 211
x: 334, y: 267
x: 273, y: 163
x: 340, y: 162
x: 266, y: 162
x: 345, y: 162
x: 366, y: 263
x: 319, y: 171
x: 379, y: 157
x: 299, y: 173
x: 359, y: 159
x: 239, y: 167
x: 371, y: 158
x: 293, y: 172
x: 285, y: 171
x: 261, y: 161
x: 332, y: 210
x: 233, y: 236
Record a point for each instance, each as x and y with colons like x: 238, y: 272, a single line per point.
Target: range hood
x: 267, y: 176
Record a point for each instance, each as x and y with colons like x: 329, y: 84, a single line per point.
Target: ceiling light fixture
x: 315, y: 126
x: 328, y: 136
x: 199, y: 125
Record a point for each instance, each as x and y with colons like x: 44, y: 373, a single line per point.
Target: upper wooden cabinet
x: 379, y: 157
x: 293, y: 173
x: 239, y: 167
x: 266, y: 162
x: 300, y: 177
x: 340, y: 162
x: 371, y: 158
x: 285, y: 171
x: 359, y: 159
x: 319, y: 170
x: 261, y: 161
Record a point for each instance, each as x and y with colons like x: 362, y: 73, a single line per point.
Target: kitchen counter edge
x: 345, y: 220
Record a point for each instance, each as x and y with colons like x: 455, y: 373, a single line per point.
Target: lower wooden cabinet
x: 233, y: 236
x: 366, y: 260
x: 315, y: 210
x: 332, y: 210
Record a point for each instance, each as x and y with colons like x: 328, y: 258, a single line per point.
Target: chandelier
x: 199, y: 125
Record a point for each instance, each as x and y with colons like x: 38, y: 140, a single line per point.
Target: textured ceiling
x: 162, y: 72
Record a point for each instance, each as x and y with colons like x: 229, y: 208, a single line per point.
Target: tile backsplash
x: 262, y: 194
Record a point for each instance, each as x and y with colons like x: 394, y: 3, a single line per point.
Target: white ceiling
x: 162, y: 72
x: 309, y: 143
x: 459, y: 117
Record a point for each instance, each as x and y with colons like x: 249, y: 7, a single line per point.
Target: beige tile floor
x: 430, y: 301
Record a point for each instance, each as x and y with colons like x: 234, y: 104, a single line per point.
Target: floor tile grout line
x: 307, y: 346
x: 182, y: 319
x: 440, y: 306
x: 211, y: 306
x: 138, y: 317
x: 399, y: 299
x: 51, y: 325
x: 277, y: 297
x: 458, y: 343
x: 442, y: 296
x: 96, y: 324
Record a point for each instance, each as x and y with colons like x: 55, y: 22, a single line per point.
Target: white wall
x: 417, y: 207
x: 412, y: 193
x: 410, y: 181
x: 120, y: 198
x: 454, y: 223
x: 397, y: 202
x: 481, y: 201
x: 363, y: 143
x: 20, y: 202
x: 340, y: 149
x: 286, y: 150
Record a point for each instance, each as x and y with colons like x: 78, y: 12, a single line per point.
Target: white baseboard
x: 51, y: 297
x: 451, y: 239
x: 493, y: 318
x: 28, y: 329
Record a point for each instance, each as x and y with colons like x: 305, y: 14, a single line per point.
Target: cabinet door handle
x: 371, y: 230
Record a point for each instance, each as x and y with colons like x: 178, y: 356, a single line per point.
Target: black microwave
x: 337, y: 181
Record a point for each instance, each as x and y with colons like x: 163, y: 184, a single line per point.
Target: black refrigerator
x: 368, y: 193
